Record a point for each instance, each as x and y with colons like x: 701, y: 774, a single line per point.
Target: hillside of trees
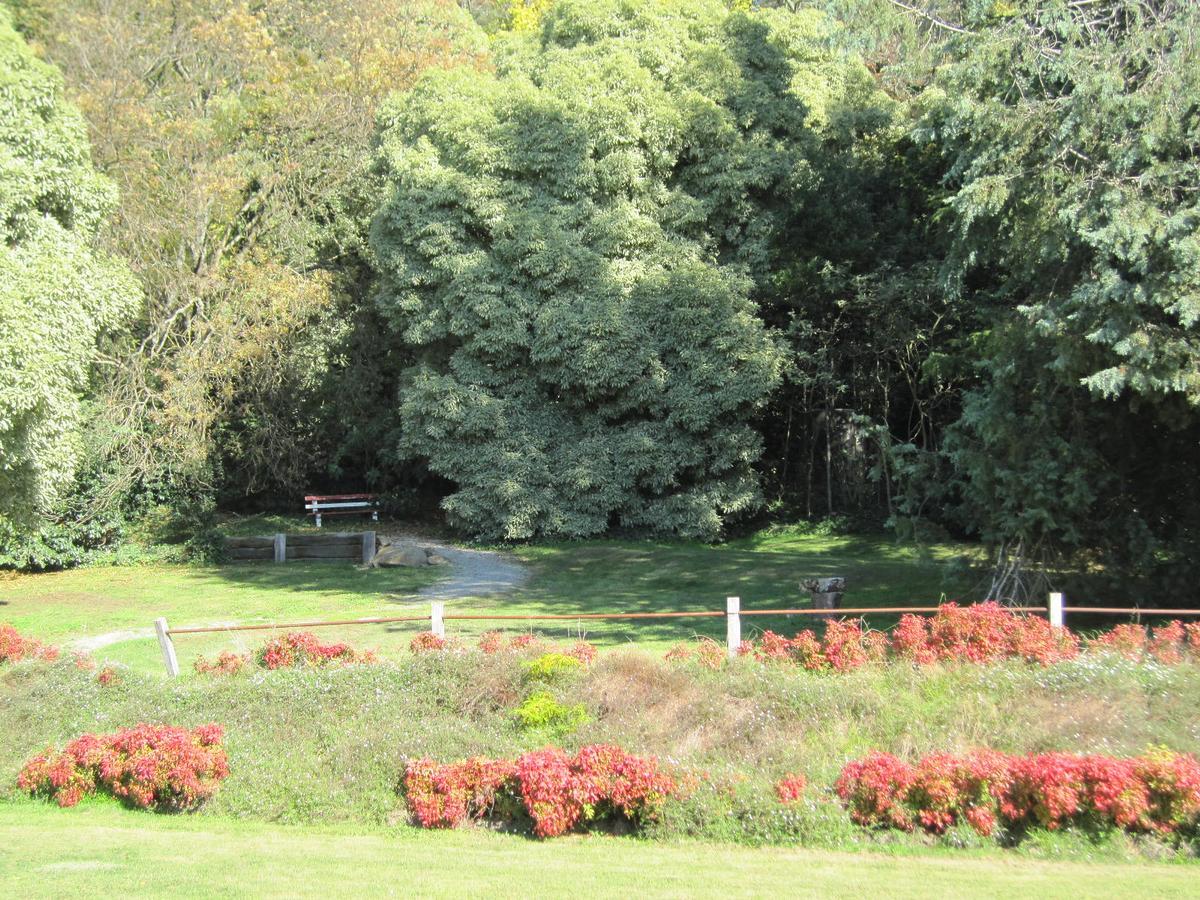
x: 565, y: 268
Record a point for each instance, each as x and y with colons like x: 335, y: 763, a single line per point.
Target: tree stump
x: 826, y: 594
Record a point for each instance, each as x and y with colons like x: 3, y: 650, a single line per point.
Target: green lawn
x: 101, y: 850
x: 594, y: 576
x: 81, y: 603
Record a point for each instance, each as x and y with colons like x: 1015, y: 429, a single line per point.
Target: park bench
x: 341, y: 505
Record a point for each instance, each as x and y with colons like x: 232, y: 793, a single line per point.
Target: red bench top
x: 320, y: 497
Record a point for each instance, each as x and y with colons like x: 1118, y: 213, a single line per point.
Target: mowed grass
x: 61, y: 607
x: 102, y: 850
x: 565, y: 579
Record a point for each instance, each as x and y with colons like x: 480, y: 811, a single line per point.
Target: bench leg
x: 374, y: 515
x: 318, y: 520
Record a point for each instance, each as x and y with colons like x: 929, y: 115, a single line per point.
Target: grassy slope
x: 328, y: 745
x: 596, y: 576
x: 101, y: 850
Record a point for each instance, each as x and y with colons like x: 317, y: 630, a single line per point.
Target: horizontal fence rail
x: 1134, y: 611
x: 212, y: 629
x: 1056, y: 609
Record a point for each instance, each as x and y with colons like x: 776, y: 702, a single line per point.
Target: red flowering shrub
x: 583, y: 651
x: 491, y: 642
x: 301, y: 648
x: 14, y: 647
x: 557, y: 791
x: 1156, y: 792
x: 146, y: 766
x: 790, y: 788
x: 946, y: 789
x: 771, y: 646
x: 910, y: 640
x: 1167, y: 643
x: 107, y: 677
x: 1127, y: 640
x: 1173, y: 784
x: 874, y: 789
x: 443, y: 796
x: 806, y: 648
x: 844, y: 648
x: 1192, y: 631
x: 983, y: 632
x: 710, y: 654
x: 426, y: 642
x: 678, y: 653
x: 226, y: 663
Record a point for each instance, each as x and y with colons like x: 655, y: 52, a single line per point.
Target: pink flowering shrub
x: 983, y: 632
x: 491, y: 642
x: 1127, y: 640
x: 301, y: 648
x: 790, y: 788
x: 874, y: 788
x: 14, y: 647
x: 558, y: 792
x: 427, y: 642
x: 226, y: 663
x: 159, y: 766
x: 1157, y: 792
x: 1168, y: 644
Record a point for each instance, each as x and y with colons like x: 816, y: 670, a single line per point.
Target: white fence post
x: 168, y: 649
x: 733, y: 625
x: 437, y: 624
x: 1057, y: 614
x: 368, y: 547
x: 280, y: 548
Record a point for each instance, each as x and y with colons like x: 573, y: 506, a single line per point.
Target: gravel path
x: 474, y: 573
x: 98, y: 641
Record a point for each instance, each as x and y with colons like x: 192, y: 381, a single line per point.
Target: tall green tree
x: 573, y: 249
x: 58, y: 293
x: 1071, y: 137
x: 240, y: 134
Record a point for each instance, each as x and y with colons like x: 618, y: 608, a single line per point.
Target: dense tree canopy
x: 1071, y: 135
x: 631, y: 264
x: 58, y: 294
x: 573, y: 245
x: 240, y: 137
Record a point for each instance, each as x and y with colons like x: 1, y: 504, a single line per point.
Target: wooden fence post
x: 437, y: 624
x: 280, y: 548
x: 1057, y: 613
x: 733, y: 625
x: 368, y: 547
x: 168, y: 649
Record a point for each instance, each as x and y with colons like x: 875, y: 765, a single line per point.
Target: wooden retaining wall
x: 359, y: 546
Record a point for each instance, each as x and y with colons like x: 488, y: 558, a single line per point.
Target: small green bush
x: 552, y: 666
x: 542, y: 713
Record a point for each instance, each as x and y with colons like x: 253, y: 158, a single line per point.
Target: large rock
x: 401, y: 555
